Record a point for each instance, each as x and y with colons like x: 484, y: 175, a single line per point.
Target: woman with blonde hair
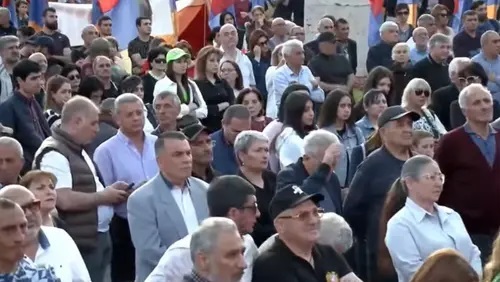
x: 446, y: 265
x: 416, y: 97
x: 492, y: 268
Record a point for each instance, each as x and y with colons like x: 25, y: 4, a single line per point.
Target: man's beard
x: 52, y: 26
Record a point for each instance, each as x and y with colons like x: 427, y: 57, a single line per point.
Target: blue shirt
x: 413, y: 234
x: 28, y: 271
x: 487, y: 147
x: 119, y: 160
x: 224, y: 158
x: 284, y: 76
x: 491, y: 67
x: 366, y: 127
x: 417, y: 55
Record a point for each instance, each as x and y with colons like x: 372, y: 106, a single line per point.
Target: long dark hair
x: 290, y: 89
x: 222, y: 18
x: 243, y: 93
x: 184, y: 78
x: 238, y: 83
x: 329, y: 109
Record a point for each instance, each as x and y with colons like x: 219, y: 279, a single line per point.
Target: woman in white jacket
x: 177, y: 81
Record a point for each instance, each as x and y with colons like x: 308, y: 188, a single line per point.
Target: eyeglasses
x: 403, y: 13
x: 303, y: 216
x: 263, y: 43
x: 73, y: 77
x: 160, y: 61
x: 468, y: 80
x: 32, y: 207
x: 252, y: 208
x: 419, y: 92
x: 434, y: 177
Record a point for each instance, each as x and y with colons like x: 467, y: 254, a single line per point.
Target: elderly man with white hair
x: 89, y: 33
x: 469, y: 156
x: 489, y: 59
x: 9, y: 56
x: 314, y: 170
x: 380, y: 54
x: 324, y: 25
x: 280, y: 32
x: 228, y: 38
x: 293, y: 71
x: 11, y: 161
x: 444, y: 96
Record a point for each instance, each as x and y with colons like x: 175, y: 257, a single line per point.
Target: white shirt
x: 246, y: 68
x: 148, y: 127
x: 289, y: 147
x: 59, y: 251
x: 183, y: 199
x: 58, y: 165
x: 176, y: 262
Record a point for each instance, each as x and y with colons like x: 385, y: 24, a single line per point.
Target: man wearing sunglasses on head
x: 295, y: 256
x: 46, y: 245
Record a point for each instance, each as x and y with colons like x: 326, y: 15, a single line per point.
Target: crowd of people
x: 252, y: 159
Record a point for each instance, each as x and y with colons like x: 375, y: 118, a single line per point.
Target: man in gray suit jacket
x: 169, y: 206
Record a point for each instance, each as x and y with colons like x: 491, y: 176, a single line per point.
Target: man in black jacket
x: 314, y: 171
x: 381, y: 53
x: 345, y: 45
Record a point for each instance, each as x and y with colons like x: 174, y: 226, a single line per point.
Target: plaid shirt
x: 194, y: 277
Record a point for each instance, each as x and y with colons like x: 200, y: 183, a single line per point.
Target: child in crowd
x: 423, y: 143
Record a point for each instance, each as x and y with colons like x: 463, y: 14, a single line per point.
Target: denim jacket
x: 350, y: 139
x: 365, y: 126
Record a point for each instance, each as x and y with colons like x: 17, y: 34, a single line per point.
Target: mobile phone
x: 131, y: 186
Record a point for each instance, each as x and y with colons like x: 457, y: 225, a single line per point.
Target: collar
x: 24, y: 98
x: 470, y: 132
x: 283, y: 249
x: 209, y: 172
x: 43, y: 240
x: 127, y: 140
x: 170, y: 185
x: 290, y: 72
x: 434, y: 62
x: 419, y: 213
x: 486, y: 59
x: 365, y: 122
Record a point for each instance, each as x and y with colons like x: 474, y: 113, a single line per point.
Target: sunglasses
x: 160, y: 61
x: 263, y: 43
x: 33, y: 206
x: 426, y: 93
x: 303, y: 216
x: 443, y: 15
x: 403, y: 13
x: 73, y: 77
x: 469, y: 79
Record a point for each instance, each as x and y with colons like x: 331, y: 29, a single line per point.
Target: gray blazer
x: 156, y: 222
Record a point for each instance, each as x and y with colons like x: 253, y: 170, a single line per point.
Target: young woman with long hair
x: 252, y: 99
x: 58, y: 93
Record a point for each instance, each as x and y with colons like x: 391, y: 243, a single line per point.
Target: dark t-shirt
x: 280, y: 264
x: 466, y: 46
x: 333, y: 69
x: 137, y: 46
x: 61, y: 42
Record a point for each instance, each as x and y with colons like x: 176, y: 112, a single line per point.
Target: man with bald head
x: 47, y: 245
x: 324, y: 25
x: 14, y: 266
x: 489, y: 59
x: 102, y: 69
x: 228, y: 38
x: 40, y: 59
x: 82, y: 201
x: 419, y: 51
x: 11, y: 160
x: 280, y: 31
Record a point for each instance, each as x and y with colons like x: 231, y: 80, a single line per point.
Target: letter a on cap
x: 297, y: 190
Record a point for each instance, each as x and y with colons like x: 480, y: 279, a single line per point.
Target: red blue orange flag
x: 36, y: 9
x: 460, y: 7
x: 216, y: 7
x: 376, y: 19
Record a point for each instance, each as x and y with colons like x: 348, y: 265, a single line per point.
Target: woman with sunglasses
x: 157, y: 66
x: 402, y: 14
x: 442, y: 15
x: 260, y: 56
x: 422, y: 226
x: 416, y: 98
x: 72, y: 72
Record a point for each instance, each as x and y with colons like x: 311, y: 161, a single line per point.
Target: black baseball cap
x: 192, y: 131
x: 289, y: 197
x: 326, y: 37
x: 395, y: 113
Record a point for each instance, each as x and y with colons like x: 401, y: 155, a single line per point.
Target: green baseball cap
x: 175, y: 54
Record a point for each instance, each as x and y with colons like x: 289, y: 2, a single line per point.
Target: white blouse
x: 289, y: 147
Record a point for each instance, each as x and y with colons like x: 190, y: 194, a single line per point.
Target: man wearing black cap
x: 333, y: 70
x: 295, y: 255
x: 375, y: 176
x: 201, y: 151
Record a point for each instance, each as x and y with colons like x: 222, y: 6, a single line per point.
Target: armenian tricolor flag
x: 460, y: 7
x: 11, y: 5
x: 36, y: 9
x: 413, y: 9
x: 376, y: 19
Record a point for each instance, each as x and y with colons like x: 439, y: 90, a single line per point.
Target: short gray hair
x: 245, y: 139
x: 400, y: 45
x: 438, y: 39
x: 417, y: 30
x: 4, y: 10
x: 486, y: 35
x: 457, y: 64
x: 464, y: 94
x: 13, y: 144
x: 126, y: 98
x: 318, y: 140
x: 204, y: 240
x: 107, y: 105
x: 7, y: 39
x: 335, y: 232
x: 414, y: 84
x: 167, y: 94
x: 290, y: 45
x: 386, y: 26
x: 413, y: 167
x: 424, y: 19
